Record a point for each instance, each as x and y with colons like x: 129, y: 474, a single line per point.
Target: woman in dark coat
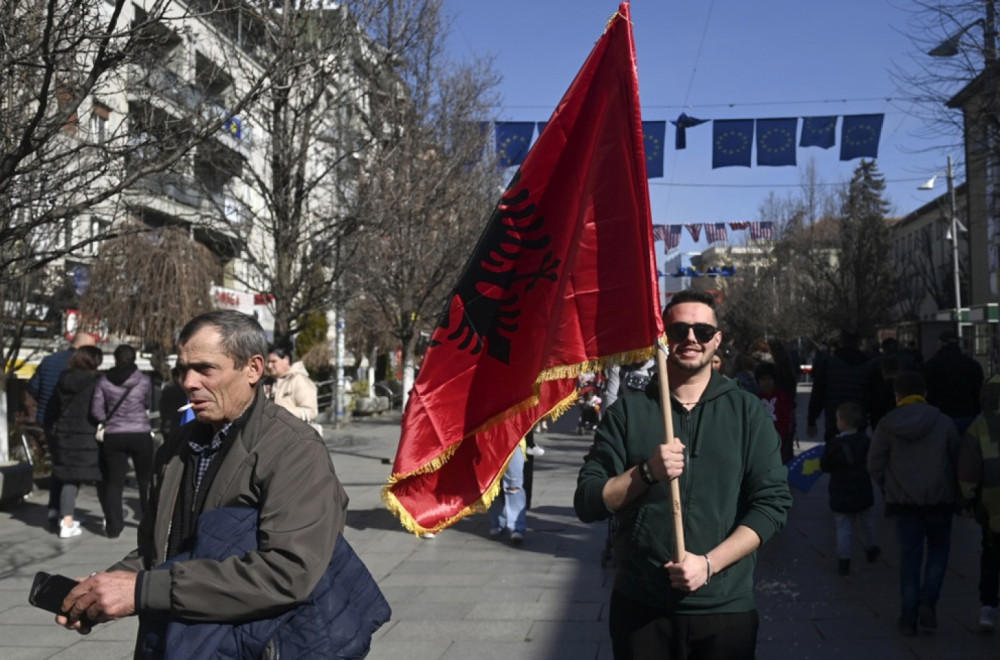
x: 75, y: 451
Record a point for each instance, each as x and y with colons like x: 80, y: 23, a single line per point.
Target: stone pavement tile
x: 417, y: 565
x: 856, y: 627
x: 429, y: 611
x: 579, y: 594
x: 931, y: 646
x: 25, y: 614
x: 475, y: 594
x: 961, y: 616
x: 831, y: 649
x: 11, y: 598
x: 522, y: 651
x: 410, y: 650
x: 569, y: 631
x: 443, y: 579
x: 381, y: 565
x: 545, y: 580
x: 97, y: 650
x: 28, y: 634
x: 482, y: 631
x: 121, y: 630
x: 534, y: 611
x: 34, y: 653
x: 19, y: 584
x: 407, y: 594
x: 785, y: 631
x: 809, y: 606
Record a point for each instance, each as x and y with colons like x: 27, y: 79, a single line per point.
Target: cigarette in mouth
x: 187, y: 406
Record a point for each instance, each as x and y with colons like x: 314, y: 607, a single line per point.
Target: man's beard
x: 705, y: 358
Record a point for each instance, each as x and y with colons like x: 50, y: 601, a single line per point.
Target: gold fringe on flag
x: 483, y: 504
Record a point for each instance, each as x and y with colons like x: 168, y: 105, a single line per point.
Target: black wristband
x: 646, y: 473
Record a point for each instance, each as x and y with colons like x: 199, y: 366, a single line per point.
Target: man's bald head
x: 83, y: 339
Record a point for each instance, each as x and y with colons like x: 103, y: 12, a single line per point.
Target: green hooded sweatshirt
x: 732, y: 476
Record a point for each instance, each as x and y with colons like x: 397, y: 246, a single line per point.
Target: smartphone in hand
x: 49, y: 591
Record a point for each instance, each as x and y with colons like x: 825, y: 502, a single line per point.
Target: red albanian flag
x: 563, y: 281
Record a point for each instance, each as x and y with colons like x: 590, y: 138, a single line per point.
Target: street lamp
x: 953, y: 227
x: 949, y: 47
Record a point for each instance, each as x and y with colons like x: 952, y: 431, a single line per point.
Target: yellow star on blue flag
x: 653, y: 133
x: 818, y: 132
x: 732, y: 142
x: 859, y: 136
x: 776, y: 141
x: 513, y: 139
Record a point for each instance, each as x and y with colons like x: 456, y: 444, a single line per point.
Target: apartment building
x: 205, y: 83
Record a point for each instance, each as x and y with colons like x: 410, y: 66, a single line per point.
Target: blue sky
x: 721, y: 59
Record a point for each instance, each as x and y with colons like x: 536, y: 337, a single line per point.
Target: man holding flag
x: 668, y: 603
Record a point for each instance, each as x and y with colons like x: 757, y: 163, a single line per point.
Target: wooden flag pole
x: 668, y: 423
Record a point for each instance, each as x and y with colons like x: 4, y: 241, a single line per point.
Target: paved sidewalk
x: 463, y: 595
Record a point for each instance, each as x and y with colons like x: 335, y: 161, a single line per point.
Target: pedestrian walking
x: 913, y: 458
x: 852, y: 497
x: 121, y: 401
x: 979, y: 479
x: 75, y: 456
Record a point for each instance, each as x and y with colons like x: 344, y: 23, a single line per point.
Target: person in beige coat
x: 292, y: 389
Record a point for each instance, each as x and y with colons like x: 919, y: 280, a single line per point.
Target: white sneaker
x: 537, y: 450
x: 71, y: 531
x: 988, y: 618
x: 516, y: 538
x: 428, y: 535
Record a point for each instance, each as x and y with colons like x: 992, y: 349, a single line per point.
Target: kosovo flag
x: 776, y: 141
x: 513, y: 140
x: 732, y: 142
x: 859, y: 136
x: 234, y: 127
x: 803, y: 471
x: 653, y: 133
x: 819, y: 132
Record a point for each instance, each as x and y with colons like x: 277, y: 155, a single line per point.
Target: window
x: 64, y: 99
x: 99, y: 116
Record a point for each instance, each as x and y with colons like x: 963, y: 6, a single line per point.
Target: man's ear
x: 255, y: 369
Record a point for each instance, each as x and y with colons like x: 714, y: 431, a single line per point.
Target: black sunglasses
x: 678, y: 332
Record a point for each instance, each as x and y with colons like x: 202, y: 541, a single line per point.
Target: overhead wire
x: 687, y: 92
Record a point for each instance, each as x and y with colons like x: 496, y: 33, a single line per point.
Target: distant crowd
x: 926, y: 434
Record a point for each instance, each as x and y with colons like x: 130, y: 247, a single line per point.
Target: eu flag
x: 803, y: 470
x: 513, y: 140
x: 859, y: 136
x: 732, y: 142
x: 819, y: 132
x: 776, y: 141
x: 652, y: 140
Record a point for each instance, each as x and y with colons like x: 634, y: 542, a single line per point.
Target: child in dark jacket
x: 851, y: 494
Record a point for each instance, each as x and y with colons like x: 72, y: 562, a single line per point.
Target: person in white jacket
x: 293, y: 389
